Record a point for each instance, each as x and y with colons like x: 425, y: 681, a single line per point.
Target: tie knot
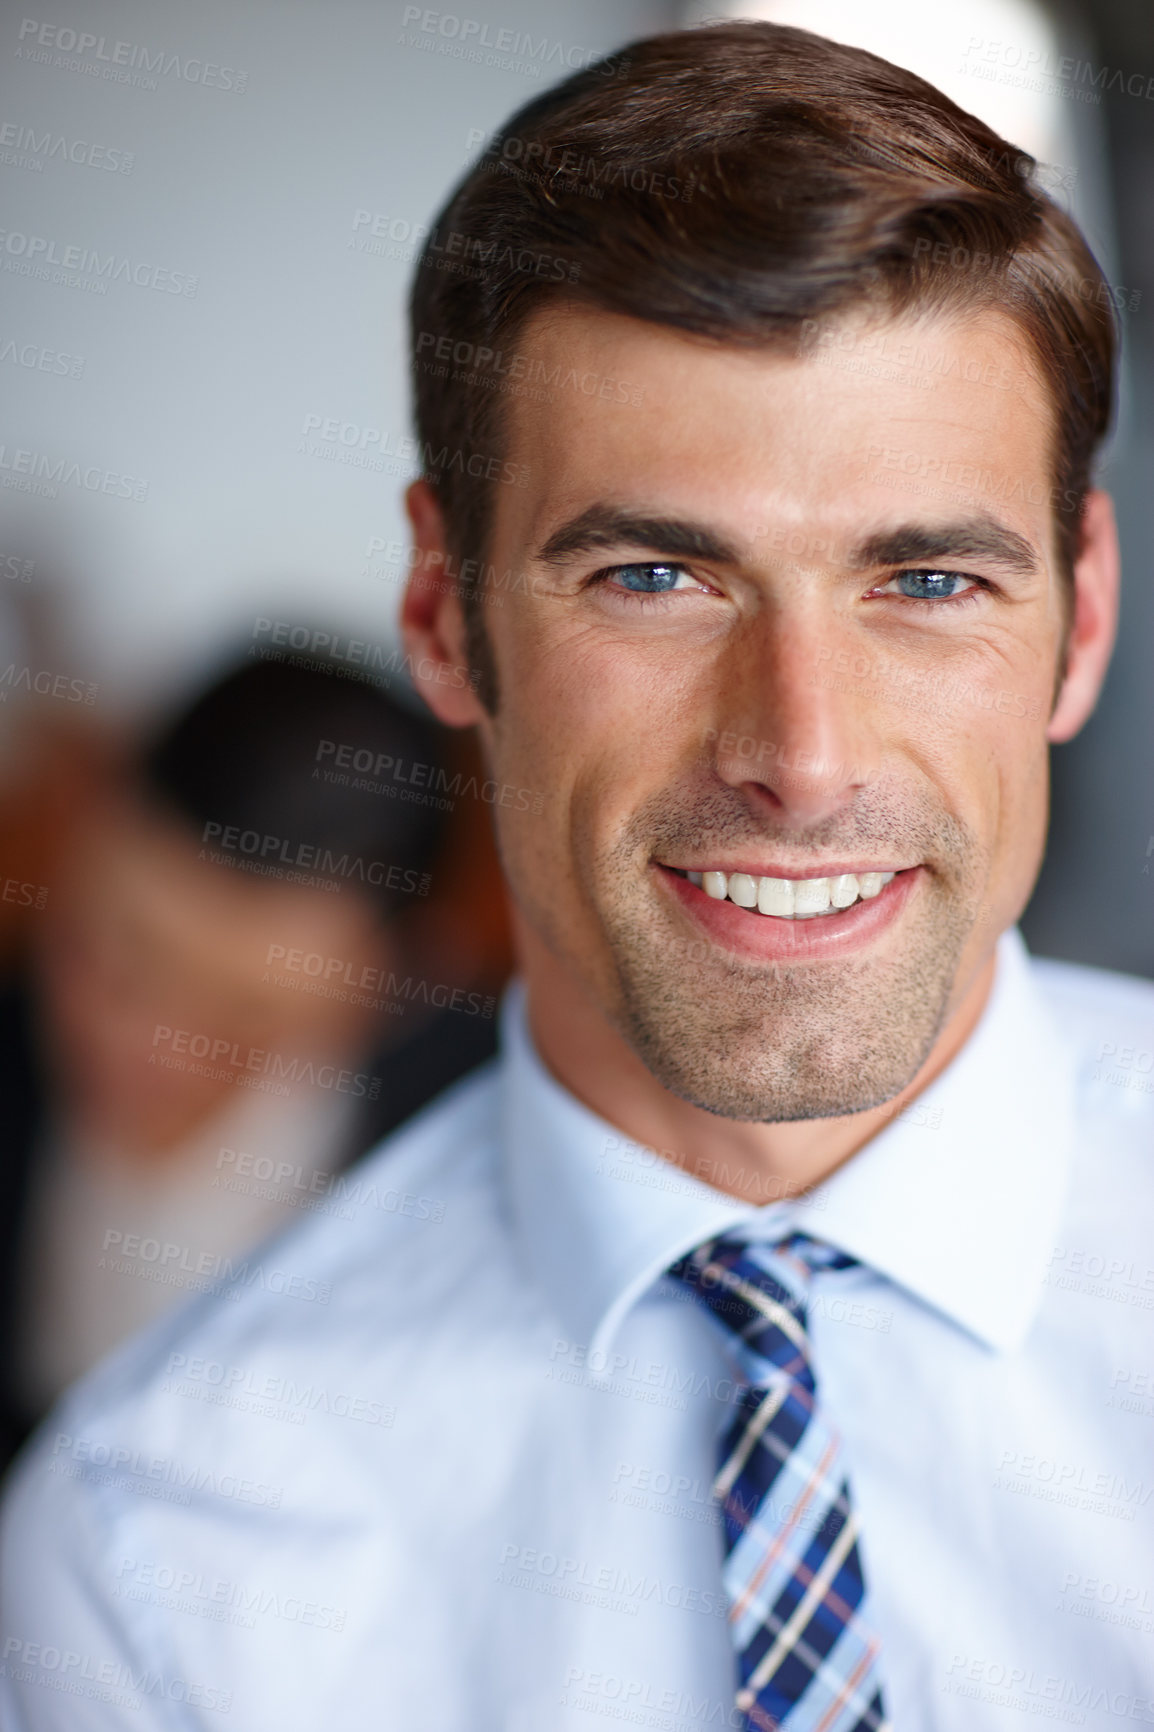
x: 790, y: 1262
x: 759, y: 1291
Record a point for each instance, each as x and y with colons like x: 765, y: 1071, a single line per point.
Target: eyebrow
x: 910, y: 544
x: 977, y: 538
x: 612, y: 526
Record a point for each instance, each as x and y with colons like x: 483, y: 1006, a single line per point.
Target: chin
x: 799, y: 1043
x: 783, y: 1085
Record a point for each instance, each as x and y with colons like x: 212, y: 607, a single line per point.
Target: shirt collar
x: 957, y: 1199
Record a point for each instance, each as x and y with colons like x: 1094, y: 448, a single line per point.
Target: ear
x: 432, y: 620
x: 1095, y: 619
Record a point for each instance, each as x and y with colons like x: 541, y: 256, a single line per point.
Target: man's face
x: 789, y: 619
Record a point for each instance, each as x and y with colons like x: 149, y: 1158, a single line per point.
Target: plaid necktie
x: 807, y: 1658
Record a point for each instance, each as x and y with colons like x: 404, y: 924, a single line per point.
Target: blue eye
x: 930, y: 585
x: 648, y: 579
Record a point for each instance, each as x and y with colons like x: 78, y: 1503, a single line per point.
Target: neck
x: 590, y: 1058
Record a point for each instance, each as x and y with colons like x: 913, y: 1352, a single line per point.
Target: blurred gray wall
x: 232, y: 159
x: 1095, y: 899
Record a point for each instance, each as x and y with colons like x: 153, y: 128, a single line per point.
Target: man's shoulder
x: 298, y: 1433
x: 413, y: 1230
x: 1097, y: 1006
x: 1105, y: 1023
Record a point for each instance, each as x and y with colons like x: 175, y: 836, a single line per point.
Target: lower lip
x: 764, y: 938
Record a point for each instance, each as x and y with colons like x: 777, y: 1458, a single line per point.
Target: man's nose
x: 799, y: 737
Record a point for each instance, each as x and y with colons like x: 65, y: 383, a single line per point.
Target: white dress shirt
x: 443, y: 1462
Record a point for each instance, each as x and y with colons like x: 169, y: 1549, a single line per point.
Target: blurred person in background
x: 247, y: 972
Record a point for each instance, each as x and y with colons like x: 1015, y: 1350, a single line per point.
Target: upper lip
x: 835, y: 870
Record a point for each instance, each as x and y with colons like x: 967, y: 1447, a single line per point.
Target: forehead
x: 868, y: 421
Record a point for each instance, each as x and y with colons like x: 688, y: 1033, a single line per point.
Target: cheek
x: 581, y: 742
x: 1007, y: 794
x: 1026, y: 791
x: 560, y: 710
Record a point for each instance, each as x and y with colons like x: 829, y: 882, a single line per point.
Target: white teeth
x: 775, y: 896
x: 843, y: 891
x: 743, y: 889
x: 811, y: 896
x: 791, y: 898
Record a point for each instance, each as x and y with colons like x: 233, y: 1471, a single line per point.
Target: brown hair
x: 739, y: 182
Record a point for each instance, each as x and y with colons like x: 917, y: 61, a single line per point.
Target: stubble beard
x: 772, y: 1042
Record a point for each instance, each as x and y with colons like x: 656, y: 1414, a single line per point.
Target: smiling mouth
x: 789, y: 898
